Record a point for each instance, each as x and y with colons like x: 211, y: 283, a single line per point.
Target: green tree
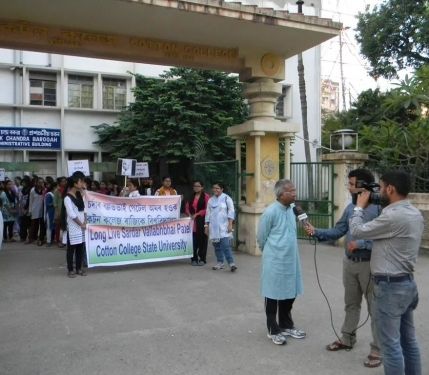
x: 182, y: 115
x: 394, y: 36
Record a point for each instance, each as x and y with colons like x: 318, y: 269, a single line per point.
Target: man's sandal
x: 372, y: 361
x: 338, y: 345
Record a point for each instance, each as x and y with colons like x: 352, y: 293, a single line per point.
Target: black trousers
x: 283, y: 308
x: 24, y: 226
x: 200, y: 242
x: 8, y: 230
x: 37, y: 229
x: 77, y: 252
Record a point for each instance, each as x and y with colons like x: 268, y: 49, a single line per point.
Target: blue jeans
x: 223, y: 250
x: 394, y: 303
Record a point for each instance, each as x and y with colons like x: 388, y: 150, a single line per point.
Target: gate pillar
x: 260, y: 133
x: 344, y: 162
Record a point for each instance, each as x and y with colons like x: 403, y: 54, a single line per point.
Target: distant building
x: 330, y: 96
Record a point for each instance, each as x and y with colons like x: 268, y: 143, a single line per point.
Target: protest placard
x: 142, y: 170
x: 78, y: 166
x: 2, y: 174
x: 126, y: 167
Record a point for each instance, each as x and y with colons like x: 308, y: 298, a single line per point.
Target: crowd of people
x: 381, y: 249
x: 46, y: 211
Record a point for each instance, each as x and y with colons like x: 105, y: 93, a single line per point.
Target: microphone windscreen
x: 297, y: 210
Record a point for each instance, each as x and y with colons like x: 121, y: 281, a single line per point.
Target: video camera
x: 373, y: 187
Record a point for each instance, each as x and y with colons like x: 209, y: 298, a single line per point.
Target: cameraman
x: 396, y: 236
x: 356, y: 271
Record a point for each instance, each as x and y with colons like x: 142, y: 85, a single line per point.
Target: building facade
x: 71, y: 94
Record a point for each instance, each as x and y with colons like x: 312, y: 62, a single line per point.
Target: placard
x: 2, y: 174
x: 126, y: 167
x: 142, y: 170
x: 78, y: 166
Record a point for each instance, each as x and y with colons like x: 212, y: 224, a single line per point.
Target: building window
x: 283, y: 107
x: 43, y: 89
x: 81, y: 91
x: 114, y: 93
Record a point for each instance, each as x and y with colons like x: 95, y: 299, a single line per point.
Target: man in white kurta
x: 281, y: 279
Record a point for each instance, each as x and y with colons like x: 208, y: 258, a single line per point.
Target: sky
x: 355, y: 68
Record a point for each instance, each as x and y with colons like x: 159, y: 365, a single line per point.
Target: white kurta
x: 75, y: 232
x: 281, y: 267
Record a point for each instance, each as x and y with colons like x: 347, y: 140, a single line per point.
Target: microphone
x: 301, y: 215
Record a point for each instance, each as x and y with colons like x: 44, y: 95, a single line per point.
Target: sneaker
x: 218, y: 266
x: 201, y: 263
x: 294, y: 332
x: 194, y: 263
x: 82, y: 272
x: 71, y: 274
x: 233, y: 267
x: 278, y: 339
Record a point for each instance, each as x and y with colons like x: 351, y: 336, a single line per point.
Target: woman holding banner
x: 196, y: 209
x: 76, y: 223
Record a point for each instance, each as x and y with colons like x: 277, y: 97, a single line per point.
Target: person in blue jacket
x: 281, y: 279
x: 356, y: 271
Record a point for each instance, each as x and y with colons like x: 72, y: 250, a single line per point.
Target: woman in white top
x: 131, y: 190
x: 76, y: 223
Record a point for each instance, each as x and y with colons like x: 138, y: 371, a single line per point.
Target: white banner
x: 131, y: 212
x: 112, y: 246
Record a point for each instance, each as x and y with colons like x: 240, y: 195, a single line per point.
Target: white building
x: 71, y: 94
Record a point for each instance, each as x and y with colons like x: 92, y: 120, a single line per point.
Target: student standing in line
x: 220, y: 215
x: 76, y: 223
x: 166, y: 188
x: 196, y: 208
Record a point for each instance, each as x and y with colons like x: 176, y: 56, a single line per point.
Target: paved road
x: 170, y: 318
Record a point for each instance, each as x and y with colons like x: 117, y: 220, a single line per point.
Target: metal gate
x: 221, y: 171
x: 314, y: 184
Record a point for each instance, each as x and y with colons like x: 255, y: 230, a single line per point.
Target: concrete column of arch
x: 261, y: 133
x: 344, y: 162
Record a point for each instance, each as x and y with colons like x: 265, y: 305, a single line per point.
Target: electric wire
x: 313, y: 241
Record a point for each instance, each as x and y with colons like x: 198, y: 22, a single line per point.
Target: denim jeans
x: 223, y: 250
x: 394, y: 303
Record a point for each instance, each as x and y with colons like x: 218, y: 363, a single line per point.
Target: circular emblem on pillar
x: 270, y: 64
x: 268, y: 168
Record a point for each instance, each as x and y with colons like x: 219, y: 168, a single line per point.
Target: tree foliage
x: 393, y: 127
x: 394, y: 36
x: 182, y: 115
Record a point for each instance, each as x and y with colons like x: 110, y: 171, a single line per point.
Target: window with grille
x: 80, y: 91
x: 283, y: 106
x: 114, y: 93
x: 43, y: 89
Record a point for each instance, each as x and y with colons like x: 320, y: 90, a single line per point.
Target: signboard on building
x: 20, y: 138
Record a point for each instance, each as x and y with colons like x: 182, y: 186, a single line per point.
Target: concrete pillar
x: 261, y: 134
x: 344, y: 162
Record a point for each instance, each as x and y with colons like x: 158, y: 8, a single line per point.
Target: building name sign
x: 130, y: 47
x: 30, y: 138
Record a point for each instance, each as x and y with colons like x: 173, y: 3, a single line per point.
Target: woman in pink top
x: 196, y: 209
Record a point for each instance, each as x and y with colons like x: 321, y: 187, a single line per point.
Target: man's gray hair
x: 280, y: 185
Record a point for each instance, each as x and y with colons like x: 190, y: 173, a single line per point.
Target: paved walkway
x: 170, y: 318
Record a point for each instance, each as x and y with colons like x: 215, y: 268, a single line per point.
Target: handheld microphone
x: 301, y: 215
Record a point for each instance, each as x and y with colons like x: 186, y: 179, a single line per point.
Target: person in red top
x: 196, y: 209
